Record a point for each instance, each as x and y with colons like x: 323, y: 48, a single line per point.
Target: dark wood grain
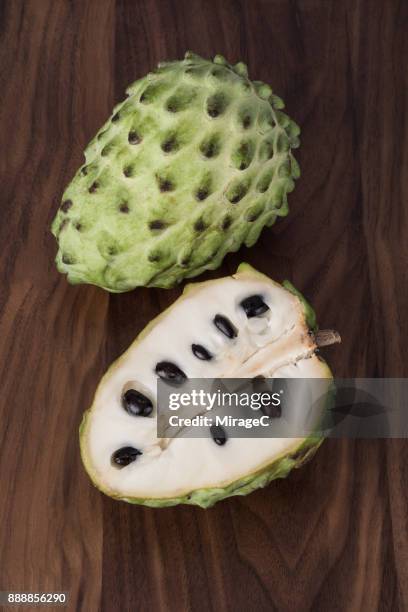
x: 334, y: 535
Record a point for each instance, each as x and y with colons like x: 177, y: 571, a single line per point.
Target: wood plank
x: 334, y: 535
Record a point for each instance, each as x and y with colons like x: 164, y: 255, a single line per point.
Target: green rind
x: 310, y: 314
x: 118, y: 251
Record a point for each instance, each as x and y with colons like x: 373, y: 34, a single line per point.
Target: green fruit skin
x: 193, y: 164
x: 279, y: 468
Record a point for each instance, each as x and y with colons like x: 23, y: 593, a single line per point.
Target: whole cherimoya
x: 244, y: 326
x: 194, y: 163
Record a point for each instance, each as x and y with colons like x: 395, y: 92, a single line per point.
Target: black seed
x: 199, y: 225
x: 225, y: 326
x: 200, y: 352
x: 105, y: 150
x: 218, y: 435
x: 143, y: 97
x: 66, y: 259
x: 254, y: 306
x: 124, y: 208
x: 78, y: 226
x: 226, y: 223
x: 84, y: 171
x: 128, y: 171
x: 134, y: 138
x: 213, y: 112
x: 93, y: 187
x: 202, y: 194
x: 137, y: 404
x: 115, y: 117
x: 123, y: 456
x: 185, y: 262
x: 66, y: 205
x: 165, y: 184
x: 166, y: 370
x: 259, y: 382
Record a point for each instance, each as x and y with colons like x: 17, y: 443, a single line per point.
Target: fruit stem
x: 326, y: 337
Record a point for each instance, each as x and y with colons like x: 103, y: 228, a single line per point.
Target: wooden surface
x: 334, y: 535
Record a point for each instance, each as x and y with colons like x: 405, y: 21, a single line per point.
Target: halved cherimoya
x: 241, y: 326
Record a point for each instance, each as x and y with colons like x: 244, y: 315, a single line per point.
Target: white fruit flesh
x: 276, y: 344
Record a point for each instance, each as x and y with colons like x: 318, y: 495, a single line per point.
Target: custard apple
x: 194, y: 163
x: 244, y: 326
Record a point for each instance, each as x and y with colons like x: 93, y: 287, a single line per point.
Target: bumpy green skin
x: 194, y: 163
